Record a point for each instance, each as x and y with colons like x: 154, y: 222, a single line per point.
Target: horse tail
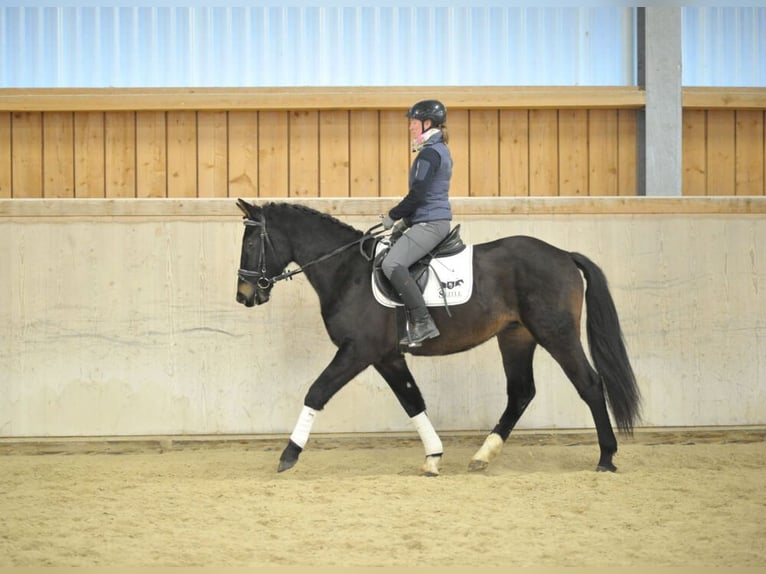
x: 607, y: 348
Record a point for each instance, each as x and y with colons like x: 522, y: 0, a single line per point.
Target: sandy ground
x: 679, y: 498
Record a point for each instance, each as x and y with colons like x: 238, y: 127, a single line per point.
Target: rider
x: 425, y: 212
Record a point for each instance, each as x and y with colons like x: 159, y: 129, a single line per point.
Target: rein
x: 264, y: 282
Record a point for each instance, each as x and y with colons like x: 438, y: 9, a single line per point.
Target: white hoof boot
x: 492, y: 446
x: 431, y: 465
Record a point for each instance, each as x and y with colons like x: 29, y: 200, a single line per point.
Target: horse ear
x: 248, y: 209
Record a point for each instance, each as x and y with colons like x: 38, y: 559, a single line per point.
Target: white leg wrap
x: 431, y: 441
x: 302, y: 428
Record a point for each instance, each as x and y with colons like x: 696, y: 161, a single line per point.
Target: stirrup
x: 430, y: 331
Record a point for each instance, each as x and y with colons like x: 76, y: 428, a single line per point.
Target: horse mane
x: 313, y: 213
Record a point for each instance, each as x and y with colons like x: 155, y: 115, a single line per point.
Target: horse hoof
x: 606, y: 468
x: 476, y: 465
x: 431, y: 465
x: 289, y: 456
x: 488, y: 452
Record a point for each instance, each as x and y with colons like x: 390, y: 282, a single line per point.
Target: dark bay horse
x: 526, y: 293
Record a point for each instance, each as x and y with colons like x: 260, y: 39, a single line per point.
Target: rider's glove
x: 388, y: 223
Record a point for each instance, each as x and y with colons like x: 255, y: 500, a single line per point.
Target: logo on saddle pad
x: 444, y: 280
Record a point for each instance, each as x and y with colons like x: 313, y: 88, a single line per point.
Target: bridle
x: 262, y: 281
x: 260, y: 276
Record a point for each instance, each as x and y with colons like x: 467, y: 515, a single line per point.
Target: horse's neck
x: 314, y: 238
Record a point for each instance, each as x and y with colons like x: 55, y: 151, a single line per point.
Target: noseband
x: 263, y: 281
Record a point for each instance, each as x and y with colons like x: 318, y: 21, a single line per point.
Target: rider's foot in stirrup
x: 419, y: 331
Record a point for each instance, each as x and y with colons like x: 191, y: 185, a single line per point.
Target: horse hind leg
x: 572, y: 359
x: 517, y: 347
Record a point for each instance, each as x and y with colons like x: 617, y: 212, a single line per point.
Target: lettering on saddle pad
x: 444, y: 280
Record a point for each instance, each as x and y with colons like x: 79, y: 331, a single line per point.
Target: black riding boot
x: 420, y: 325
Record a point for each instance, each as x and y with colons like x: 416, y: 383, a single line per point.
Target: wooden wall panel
x: 394, y: 154
x: 484, y: 161
x: 6, y: 186
x: 458, y: 127
x: 543, y: 152
x: 514, y: 152
x: 627, y: 152
x: 243, y: 154
x: 304, y: 153
x: 694, y: 152
x: 603, y: 162
x: 273, y: 159
x: 27, y: 154
x: 89, y: 154
x: 364, y: 153
x: 151, y: 154
x: 749, y: 166
x: 58, y: 154
x: 212, y: 152
x: 182, y: 154
x: 120, y: 154
x: 573, y: 152
x: 334, y: 153
x: 720, y: 152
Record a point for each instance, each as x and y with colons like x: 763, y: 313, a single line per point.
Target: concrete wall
x: 120, y: 319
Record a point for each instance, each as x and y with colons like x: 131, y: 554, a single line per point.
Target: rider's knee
x: 388, y: 267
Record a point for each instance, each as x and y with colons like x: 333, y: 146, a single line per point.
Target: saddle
x: 420, y: 270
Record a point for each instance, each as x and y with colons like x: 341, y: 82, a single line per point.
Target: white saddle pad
x: 450, y: 280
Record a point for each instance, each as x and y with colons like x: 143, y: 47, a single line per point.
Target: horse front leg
x: 399, y: 378
x: 344, y: 367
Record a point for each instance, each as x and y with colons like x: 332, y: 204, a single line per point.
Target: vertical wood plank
x: 514, y: 152
x: 627, y: 152
x: 182, y: 154
x: 573, y: 152
x: 394, y: 154
x: 89, y: 178
x: 273, y: 173
x: 333, y: 153
x: 602, y: 152
x: 58, y: 154
x: 27, y: 154
x: 694, y: 154
x: 304, y: 153
x: 484, y: 153
x: 458, y: 127
x: 120, y: 154
x: 151, y: 154
x: 243, y: 154
x: 6, y: 189
x: 212, y: 145
x: 749, y: 165
x: 364, y: 164
x: 543, y: 153
x: 720, y: 152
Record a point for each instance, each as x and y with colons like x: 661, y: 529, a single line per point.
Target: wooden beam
x: 219, y: 208
x: 724, y: 98
x: 312, y: 98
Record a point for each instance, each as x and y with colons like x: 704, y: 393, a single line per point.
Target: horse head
x: 259, y: 263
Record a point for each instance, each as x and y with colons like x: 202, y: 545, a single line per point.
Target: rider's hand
x: 399, y: 228
x: 388, y: 223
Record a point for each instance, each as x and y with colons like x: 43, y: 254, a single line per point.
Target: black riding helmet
x: 432, y: 110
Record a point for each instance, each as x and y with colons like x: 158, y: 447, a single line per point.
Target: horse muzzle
x: 249, y: 294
